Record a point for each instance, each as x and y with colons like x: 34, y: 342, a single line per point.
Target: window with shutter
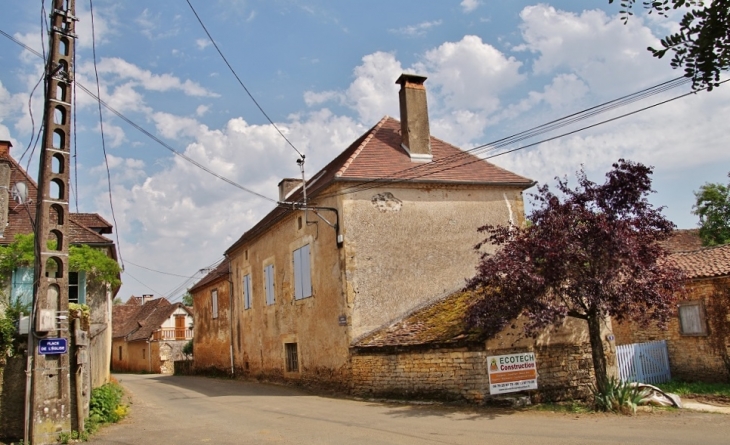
x: 246, y: 285
x: 77, y: 287
x: 692, y: 318
x: 214, y: 299
x: 302, y: 273
x: 21, y: 290
x: 269, y: 284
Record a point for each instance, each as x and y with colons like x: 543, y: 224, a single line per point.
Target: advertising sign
x: 513, y: 372
x: 51, y: 346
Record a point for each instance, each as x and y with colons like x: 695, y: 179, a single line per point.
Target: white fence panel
x: 644, y: 362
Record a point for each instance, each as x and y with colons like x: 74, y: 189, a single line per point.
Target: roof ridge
x: 701, y: 249
x: 362, y: 146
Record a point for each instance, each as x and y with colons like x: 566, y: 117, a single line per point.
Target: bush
x: 188, y: 349
x: 619, y: 397
x: 105, y: 406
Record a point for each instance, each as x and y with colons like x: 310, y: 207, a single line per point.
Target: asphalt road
x: 198, y: 410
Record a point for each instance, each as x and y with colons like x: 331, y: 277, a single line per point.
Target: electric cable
x: 158, y: 271
x: 140, y: 282
x: 210, y: 37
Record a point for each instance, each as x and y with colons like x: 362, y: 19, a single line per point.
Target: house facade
x: 698, y: 334
x: 388, y: 226
x: 149, y: 335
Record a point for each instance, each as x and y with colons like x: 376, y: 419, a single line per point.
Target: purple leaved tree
x: 589, y: 253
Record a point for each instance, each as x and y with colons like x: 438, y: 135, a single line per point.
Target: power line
x: 210, y: 37
x: 159, y: 271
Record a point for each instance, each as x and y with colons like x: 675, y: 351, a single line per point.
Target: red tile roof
x: 683, y: 240
x: 377, y: 156
x: 135, y: 322
x: 704, y: 263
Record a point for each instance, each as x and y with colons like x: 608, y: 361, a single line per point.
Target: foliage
x: 713, y: 208
x: 187, y: 299
x: 97, y: 265
x: 718, y: 314
x: 589, y: 254
x: 701, y: 45
x: 188, y: 349
x: 618, y: 397
x: 73, y: 436
x: 8, y: 322
x: 106, y: 406
x: 684, y: 389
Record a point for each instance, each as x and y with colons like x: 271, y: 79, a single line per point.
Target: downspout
x: 149, y: 357
x: 79, y: 379
x: 230, y: 317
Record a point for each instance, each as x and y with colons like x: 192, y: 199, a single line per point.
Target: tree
x: 590, y: 253
x: 701, y: 45
x: 187, y: 299
x: 713, y: 208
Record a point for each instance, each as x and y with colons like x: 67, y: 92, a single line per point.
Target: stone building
x: 698, y: 336
x: 149, y: 335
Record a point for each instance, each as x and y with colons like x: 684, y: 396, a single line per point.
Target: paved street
x: 198, y: 410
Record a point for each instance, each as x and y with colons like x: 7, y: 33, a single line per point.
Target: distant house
x: 697, y: 352
x: 211, y: 302
x: 149, y: 334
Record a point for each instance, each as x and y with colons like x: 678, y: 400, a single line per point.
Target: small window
x: 299, y: 222
x: 302, y: 273
x: 292, y: 358
x: 247, y: 291
x: 144, y: 353
x: 269, y: 284
x: 692, y: 318
x: 120, y: 353
x: 77, y: 287
x: 214, y: 300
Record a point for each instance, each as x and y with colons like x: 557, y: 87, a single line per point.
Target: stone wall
x: 12, y: 397
x: 212, y: 338
x: 564, y: 372
x: 691, y: 358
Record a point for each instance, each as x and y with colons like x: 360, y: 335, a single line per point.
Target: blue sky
x: 324, y: 72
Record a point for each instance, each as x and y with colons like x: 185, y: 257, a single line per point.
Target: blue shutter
x: 82, y: 287
x: 269, y: 283
x: 247, y: 292
x: 306, y: 272
x: 22, y: 285
x: 298, y: 274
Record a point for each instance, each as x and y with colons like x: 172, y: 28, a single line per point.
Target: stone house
x: 148, y: 334
x: 698, y: 336
x: 18, y: 192
x: 212, y: 347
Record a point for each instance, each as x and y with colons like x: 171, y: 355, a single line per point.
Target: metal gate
x: 644, y: 362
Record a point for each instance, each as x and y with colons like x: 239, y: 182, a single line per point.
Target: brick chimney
x: 287, y: 186
x: 4, y: 184
x: 415, y: 132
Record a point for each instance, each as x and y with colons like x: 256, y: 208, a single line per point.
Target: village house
x: 18, y: 192
x: 698, y: 336
x: 384, y: 230
x: 149, y: 334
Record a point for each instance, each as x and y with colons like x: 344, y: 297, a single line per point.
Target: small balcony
x: 167, y: 334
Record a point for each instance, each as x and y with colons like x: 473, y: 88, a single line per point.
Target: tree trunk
x: 599, y: 355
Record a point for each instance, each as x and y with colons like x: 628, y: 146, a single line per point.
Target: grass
x: 573, y: 407
x: 696, y: 388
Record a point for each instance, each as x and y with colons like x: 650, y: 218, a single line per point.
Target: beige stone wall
x: 564, y: 372
x: 212, y: 337
x: 259, y: 333
x: 691, y: 358
x: 406, y: 246
x: 133, y: 357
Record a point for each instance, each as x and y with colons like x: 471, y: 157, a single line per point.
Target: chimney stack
x: 415, y: 132
x: 287, y: 186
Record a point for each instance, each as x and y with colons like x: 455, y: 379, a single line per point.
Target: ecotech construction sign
x: 513, y: 372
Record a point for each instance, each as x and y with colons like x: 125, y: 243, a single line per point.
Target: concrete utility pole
x: 51, y: 384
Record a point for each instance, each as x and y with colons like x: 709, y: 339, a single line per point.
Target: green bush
x: 618, y: 397
x: 188, y: 349
x: 105, y: 406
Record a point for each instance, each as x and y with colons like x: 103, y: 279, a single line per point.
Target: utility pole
x: 51, y: 384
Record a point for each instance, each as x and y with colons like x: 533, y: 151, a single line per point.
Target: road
x: 197, y: 410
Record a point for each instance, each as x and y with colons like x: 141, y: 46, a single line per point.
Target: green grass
x: 563, y: 407
x: 698, y: 388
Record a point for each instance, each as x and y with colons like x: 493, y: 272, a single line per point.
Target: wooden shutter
x: 22, y: 286
x: 82, y: 287
x: 302, y: 273
x: 269, y: 283
x: 692, y: 318
x: 214, y: 299
x: 247, y: 291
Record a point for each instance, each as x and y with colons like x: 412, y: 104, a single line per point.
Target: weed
x: 699, y: 388
x: 618, y: 397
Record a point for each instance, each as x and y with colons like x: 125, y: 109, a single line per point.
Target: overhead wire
x: 210, y: 37
x: 159, y: 271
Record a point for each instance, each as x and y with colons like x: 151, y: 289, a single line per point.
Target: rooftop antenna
x: 300, y: 163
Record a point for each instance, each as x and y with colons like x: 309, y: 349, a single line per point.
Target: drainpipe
x: 149, y: 357
x: 79, y: 379
x: 28, y: 381
x: 230, y: 317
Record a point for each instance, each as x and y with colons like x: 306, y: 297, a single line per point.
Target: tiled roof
x: 683, y: 240
x: 440, y: 323
x: 704, y: 263
x: 135, y: 322
x: 19, y: 215
x: 220, y: 272
x: 378, y: 156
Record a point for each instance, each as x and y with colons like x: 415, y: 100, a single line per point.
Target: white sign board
x: 513, y: 372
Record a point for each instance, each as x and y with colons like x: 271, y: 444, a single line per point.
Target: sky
x: 324, y: 73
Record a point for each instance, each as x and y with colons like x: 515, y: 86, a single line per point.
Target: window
x: 22, y: 286
x: 269, y: 284
x: 247, y: 291
x: 692, y: 318
x: 214, y: 299
x: 77, y: 287
x: 120, y: 353
x: 144, y: 353
x: 302, y: 273
x: 292, y: 359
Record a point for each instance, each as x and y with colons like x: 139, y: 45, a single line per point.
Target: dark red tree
x: 589, y: 253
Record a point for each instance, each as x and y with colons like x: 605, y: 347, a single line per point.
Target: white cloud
x: 202, y: 110
x: 416, y: 30
x: 202, y: 43
x: 469, y: 5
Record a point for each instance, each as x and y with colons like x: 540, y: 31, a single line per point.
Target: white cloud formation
x: 202, y: 43
x: 416, y: 30
x: 469, y: 5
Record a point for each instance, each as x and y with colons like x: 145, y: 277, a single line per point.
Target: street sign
x: 51, y: 346
x: 513, y: 372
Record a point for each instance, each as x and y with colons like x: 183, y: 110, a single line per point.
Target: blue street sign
x: 51, y: 346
